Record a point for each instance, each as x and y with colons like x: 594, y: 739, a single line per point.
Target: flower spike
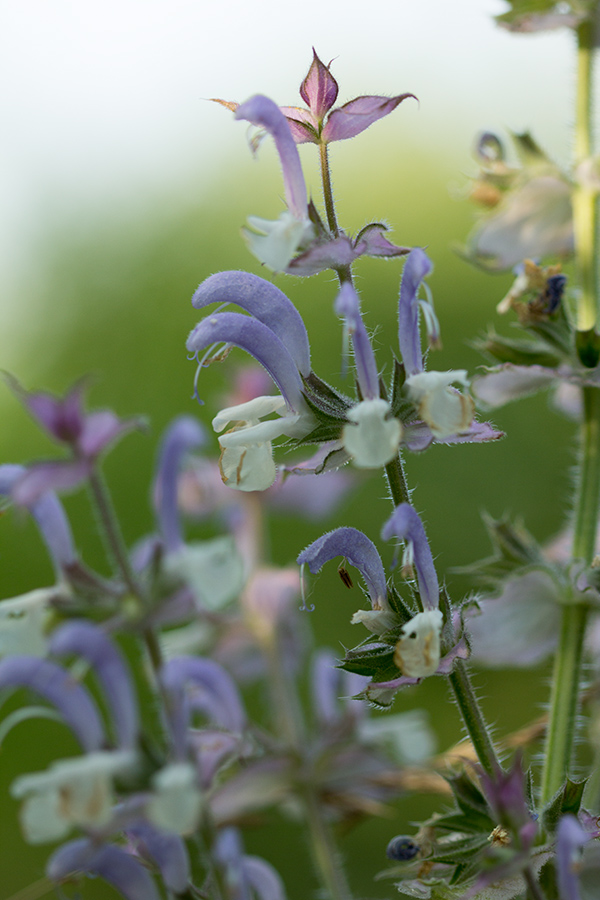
x: 406, y: 524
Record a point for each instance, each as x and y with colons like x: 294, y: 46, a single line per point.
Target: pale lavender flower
x: 165, y: 850
x: 87, y: 435
x: 372, y: 435
x: 361, y: 552
x: 183, y: 434
x: 571, y: 839
x: 405, y: 523
x: 56, y: 685
x: 246, y: 876
x: 82, y: 638
x: 49, y: 515
x: 111, y: 863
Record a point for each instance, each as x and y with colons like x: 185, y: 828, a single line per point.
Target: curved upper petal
x: 257, y: 339
x: 265, y: 302
x: 358, y: 549
x: 416, y: 267
x: 183, y: 434
x: 406, y: 524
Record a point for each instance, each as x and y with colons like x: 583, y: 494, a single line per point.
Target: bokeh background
x: 123, y: 188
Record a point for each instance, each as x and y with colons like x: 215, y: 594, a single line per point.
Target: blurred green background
x: 112, y: 299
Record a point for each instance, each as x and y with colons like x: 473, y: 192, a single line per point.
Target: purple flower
x: 372, y: 435
x: 91, y: 643
x: 246, y: 876
x: 361, y: 552
x: 86, y: 435
x: 247, y: 459
x: 183, y: 434
x: 49, y: 515
x: 113, y: 864
x: 320, y: 124
x: 571, y: 839
x: 165, y: 850
x: 58, y: 687
x: 405, y: 523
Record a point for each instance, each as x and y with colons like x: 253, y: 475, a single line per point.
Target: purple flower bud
x: 49, y: 515
x: 263, y: 879
x: 58, y: 687
x: 261, y: 111
x: 109, y: 862
x: 358, y: 550
x: 265, y: 302
x: 182, y: 435
x: 347, y: 305
x: 90, y: 642
x: 200, y: 684
x: 405, y: 524
x: 416, y: 267
x: 258, y: 340
x: 319, y: 89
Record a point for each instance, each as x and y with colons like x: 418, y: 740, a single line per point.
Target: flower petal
x: 347, y: 305
x: 109, y: 862
x: 183, y: 434
x: 350, y: 119
x: 372, y: 435
x: 416, y: 268
x: 358, y: 550
x: 406, y: 524
x: 265, y: 302
x: 319, y: 89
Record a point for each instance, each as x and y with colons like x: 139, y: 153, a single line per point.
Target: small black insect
x: 402, y: 848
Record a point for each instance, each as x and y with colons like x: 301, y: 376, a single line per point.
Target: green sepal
x: 470, y: 822
x: 322, y: 398
x: 404, y: 612
x: 460, y: 852
x: 513, y: 547
x: 518, y: 351
x: 587, y: 344
x: 468, y: 796
x: 315, y: 218
x: 375, y: 659
x: 547, y: 881
x: 567, y: 800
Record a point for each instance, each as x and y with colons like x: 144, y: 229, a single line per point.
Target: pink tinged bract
x: 57, y: 686
x: 81, y: 638
x: 350, y: 119
x: 265, y: 302
x: 263, y: 112
x: 260, y: 342
x: 319, y: 89
x: 113, y: 864
x: 49, y: 515
x: 406, y: 524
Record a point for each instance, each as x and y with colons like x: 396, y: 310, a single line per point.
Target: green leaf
x: 519, y: 351
x: 567, y: 800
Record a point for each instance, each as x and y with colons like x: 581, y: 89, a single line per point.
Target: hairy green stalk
x: 566, y: 681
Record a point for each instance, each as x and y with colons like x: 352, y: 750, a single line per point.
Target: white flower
x: 277, y: 241
x: 23, y: 622
x: 372, y: 436
x: 213, y: 569
x: 176, y: 802
x: 376, y: 620
x: 72, y: 792
x: 417, y: 653
x: 246, y: 461
x: 445, y: 410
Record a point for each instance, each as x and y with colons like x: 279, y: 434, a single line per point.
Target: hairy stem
x: 396, y: 479
x: 473, y: 717
x: 344, y: 273
x: 568, y: 660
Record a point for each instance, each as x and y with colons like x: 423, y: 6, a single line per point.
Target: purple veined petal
x: 50, y: 518
x: 261, y: 111
x: 405, y: 524
x: 416, y: 267
x: 571, y: 838
x: 92, y: 644
x: 347, y: 305
x: 478, y: 433
x: 265, y: 302
x: 319, y: 89
x: 62, y: 475
x: 360, y: 552
x: 325, y: 687
x: 302, y: 125
x: 183, y: 434
x: 260, y: 342
x: 113, y: 864
x: 166, y: 850
x: 201, y: 684
x: 58, y: 687
x: 263, y: 879
x: 350, y: 119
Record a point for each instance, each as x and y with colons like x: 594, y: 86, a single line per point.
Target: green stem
x: 396, y: 479
x: 344, y: 273
x: 324, y: 850
x: 566, y: 680
x: 112, y: 532
x: 473, y: 717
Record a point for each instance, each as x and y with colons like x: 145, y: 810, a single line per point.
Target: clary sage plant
x: 149, y: 668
